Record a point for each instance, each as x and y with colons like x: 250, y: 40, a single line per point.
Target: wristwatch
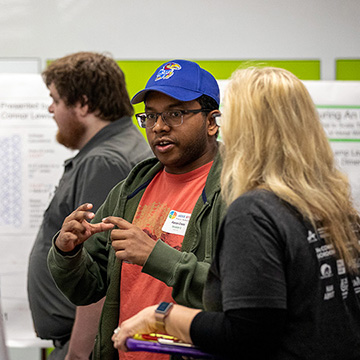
x: 161, y: 312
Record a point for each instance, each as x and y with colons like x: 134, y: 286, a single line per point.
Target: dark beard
x: 73, y: 134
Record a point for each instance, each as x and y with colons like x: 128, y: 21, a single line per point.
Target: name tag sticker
x: 176, y: 222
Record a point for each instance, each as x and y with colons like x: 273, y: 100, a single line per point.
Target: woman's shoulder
x: 261, y: 203
x: 256, y: 198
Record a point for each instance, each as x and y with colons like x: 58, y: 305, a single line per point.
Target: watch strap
x: 161, y: 312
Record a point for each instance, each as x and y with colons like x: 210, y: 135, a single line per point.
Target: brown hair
x: 93, y: 79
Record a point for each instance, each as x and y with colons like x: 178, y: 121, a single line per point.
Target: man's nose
x: 160, y: 124
x: 51, y: 108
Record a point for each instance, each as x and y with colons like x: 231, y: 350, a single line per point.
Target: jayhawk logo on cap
x: 167, y: 71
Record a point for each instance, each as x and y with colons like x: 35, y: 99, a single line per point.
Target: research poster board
x: 338, y: 103
x: 31, y: 163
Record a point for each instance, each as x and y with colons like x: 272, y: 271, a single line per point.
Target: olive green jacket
x: 94, y: 271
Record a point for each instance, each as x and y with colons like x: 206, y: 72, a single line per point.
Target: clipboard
x: 166, y: 345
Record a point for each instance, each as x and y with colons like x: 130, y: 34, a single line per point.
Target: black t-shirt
x: 268, y: 258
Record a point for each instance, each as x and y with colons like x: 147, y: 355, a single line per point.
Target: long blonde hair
x: 274, y: 140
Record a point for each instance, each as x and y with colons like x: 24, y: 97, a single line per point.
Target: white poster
x: 30, y: 167
x: 338, y: 104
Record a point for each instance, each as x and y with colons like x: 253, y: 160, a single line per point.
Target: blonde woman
x: 285, y: 281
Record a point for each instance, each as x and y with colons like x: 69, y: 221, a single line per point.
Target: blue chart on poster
x: 10, y: 181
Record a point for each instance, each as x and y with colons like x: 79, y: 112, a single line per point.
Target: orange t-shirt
x: 163, y: 213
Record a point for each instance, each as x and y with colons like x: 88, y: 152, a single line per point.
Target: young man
x: 163, y: 218
x: 93, y: 112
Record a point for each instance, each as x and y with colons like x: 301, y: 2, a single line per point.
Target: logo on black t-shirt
x: 324, y: 251
x: 311, y: 237
x: 356, y: 284
x: 330, y: 292
x: 344, y: 287
x: 326, y: 271
x: 340, y: 267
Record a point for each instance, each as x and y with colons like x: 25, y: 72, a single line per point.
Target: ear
x: 82, y: 108
x: 213, y: 126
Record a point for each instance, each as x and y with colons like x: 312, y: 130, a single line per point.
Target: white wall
x: 193, y: 29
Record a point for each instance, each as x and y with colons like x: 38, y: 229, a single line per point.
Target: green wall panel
x: 137, y: 72
x: 348, y: 69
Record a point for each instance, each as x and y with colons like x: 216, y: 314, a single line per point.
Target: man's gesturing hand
x: 130, y: 242
x: 76, y: 229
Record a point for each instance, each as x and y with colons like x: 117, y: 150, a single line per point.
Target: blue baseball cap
x: 181, y: 79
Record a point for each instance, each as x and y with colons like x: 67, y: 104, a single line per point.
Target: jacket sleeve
x: 180, y: 270
x: 78, y: 277
x: 83, y: 277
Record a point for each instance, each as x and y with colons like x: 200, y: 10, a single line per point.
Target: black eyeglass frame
x: 142, y: 123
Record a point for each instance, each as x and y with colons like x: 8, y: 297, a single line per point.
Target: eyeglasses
x: 170, y: 118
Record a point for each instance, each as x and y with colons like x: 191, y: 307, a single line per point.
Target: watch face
x: 163, y: 307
